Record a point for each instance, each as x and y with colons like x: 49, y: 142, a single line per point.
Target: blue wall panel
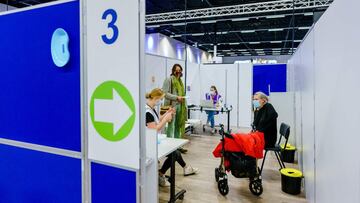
x: 28, y: 176
x: 273, y: 75
x: 113, y: 185
x: 40, y: 103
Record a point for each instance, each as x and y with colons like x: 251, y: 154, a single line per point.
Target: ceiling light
x: 153, y: 26
x: 276, y: 30
x: 234, y: 43
x: 208, y: 22
x: 276, y: 16
x: 239, y: 19
x: 275, y: 42
x: 303, y: 28
x: 178, y: 24
x: 254, y: 42
x: 247, y: 31
x: 308, y: 14
x: 197, y: 34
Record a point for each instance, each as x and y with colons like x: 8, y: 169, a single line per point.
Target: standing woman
x: 213, y: 96
x: 175, y: 97
x: 265, y: 119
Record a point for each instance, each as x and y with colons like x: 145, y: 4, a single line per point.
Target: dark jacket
x: 265, y: 120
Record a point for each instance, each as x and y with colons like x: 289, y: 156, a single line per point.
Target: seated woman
x: 213, y: 96
x: 154, y: 121
x: 265, y: 119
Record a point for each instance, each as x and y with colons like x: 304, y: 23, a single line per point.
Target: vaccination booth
x: 74, y: 75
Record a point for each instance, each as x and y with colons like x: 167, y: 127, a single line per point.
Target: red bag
x: 252, y: 144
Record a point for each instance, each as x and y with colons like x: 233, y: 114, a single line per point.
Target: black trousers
x: 167, y: 163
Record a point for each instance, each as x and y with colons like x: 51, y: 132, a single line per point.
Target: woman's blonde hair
x: 156, y: 93
x: 263, y: 96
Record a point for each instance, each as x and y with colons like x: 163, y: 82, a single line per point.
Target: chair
x: 284, y: 132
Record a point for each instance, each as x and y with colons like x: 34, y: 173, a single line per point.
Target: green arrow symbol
x: 112, y: 111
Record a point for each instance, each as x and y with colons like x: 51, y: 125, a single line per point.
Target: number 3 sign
x: 111, y: 25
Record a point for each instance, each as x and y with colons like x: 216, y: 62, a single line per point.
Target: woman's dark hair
x: 174, y: 68
x: 213, y: 87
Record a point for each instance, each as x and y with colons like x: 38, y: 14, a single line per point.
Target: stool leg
x: 281, y: 164
x: 262, y: 164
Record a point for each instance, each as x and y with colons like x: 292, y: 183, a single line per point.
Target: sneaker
x: 163, y: 182
x: 188, y: 170
x: 213, y: 131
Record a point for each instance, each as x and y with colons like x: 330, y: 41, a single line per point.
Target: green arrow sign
x: 112, y: 111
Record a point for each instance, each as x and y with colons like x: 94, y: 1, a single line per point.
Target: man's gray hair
x: 262, y: 95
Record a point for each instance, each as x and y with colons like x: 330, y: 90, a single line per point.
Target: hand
x: 180, y: 99
x: 168, y: 117
x: 171, y: 111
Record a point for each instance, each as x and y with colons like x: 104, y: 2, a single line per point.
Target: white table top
x: 169, y: 145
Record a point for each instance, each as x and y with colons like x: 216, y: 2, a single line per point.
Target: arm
x: 157, y: 127
x: 167, y: 89
x: 150, y: 122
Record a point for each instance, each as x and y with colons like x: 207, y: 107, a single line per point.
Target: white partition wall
x: 336, y: 94
x: 155, y: 71
x: 245, y: 84
x: 193, y: 83
x: 329, y: 73
x: 283, y: 102
x: 214, y: 75
x: 234, y: 83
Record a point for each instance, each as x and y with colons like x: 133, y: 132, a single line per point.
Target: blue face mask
x: 256, y: 104
x: 159, y: 103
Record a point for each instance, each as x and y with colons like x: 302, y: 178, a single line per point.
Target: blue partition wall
x: 28, y: 176
x: 109, y: 184
x: 41, y: 105
x: 274, y: 75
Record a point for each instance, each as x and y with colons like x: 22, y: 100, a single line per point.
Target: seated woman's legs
x: 188, y: 170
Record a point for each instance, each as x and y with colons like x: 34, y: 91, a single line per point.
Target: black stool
x: 284, y: 132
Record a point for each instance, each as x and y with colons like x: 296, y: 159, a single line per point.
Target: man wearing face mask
x: 175, y: 96
x: 265, y: 118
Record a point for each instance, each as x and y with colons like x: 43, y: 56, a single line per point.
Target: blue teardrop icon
x: 60, y: 47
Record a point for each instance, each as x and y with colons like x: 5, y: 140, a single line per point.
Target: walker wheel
x: 181, y: 197
x: 217, y: 174
x: 223, y: 187
x: 256, y: 187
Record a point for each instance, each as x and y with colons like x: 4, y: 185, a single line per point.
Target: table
x: 225, y: 109
x: 166, y: 147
